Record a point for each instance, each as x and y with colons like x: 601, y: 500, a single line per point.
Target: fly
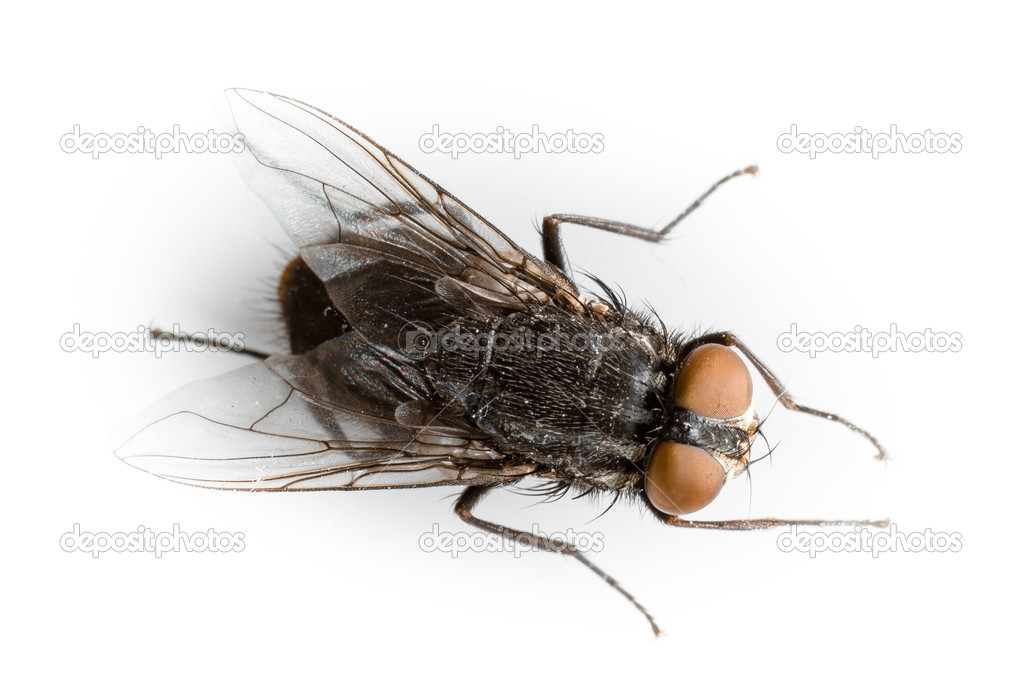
x: 428, y: 349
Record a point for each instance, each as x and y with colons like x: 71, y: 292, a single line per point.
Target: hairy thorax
x: 570, y: 393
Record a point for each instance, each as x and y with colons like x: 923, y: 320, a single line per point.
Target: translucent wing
x: 390, y: 245
x: 251, y: 430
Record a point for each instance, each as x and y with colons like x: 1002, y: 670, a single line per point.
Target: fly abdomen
x: 309, y: 315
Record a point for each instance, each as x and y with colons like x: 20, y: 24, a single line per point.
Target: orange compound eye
x: 682, y: 479
x: 714, y: 382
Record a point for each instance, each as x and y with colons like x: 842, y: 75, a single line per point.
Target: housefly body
x: 428, y: 349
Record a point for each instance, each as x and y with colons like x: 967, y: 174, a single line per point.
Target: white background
x: 334, y: 583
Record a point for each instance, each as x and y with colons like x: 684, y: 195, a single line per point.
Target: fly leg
x: 730, y: 339
x: 471, y: 497
x: 554, y: 250
x: 761, y: 524
x: 158, y: 333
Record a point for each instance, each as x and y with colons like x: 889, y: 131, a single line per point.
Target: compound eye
x: 714, y: 382
x: 682, y: 479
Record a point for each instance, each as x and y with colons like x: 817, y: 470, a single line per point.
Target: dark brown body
x: 578, y: 395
